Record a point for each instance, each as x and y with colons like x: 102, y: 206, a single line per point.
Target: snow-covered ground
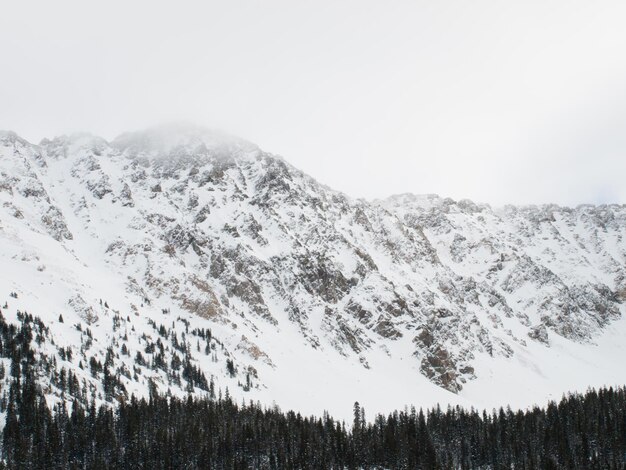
x: 320, y: 300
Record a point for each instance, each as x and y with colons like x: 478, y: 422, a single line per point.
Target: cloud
x: 494, y: 101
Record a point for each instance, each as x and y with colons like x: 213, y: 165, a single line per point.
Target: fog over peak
x: 502, y: 103
x: 165, y: 137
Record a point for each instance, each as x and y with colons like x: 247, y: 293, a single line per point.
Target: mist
x: 492, y: 101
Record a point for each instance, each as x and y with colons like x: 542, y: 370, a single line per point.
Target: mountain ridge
x: 291, y: 272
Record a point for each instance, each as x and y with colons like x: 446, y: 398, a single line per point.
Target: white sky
x: 497, y: 101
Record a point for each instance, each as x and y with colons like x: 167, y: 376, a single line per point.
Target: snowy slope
x: 318, y: 299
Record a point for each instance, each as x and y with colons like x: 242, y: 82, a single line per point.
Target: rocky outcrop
x: 237, y: 236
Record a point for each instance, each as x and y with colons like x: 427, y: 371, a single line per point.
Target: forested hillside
x: 581, y: 431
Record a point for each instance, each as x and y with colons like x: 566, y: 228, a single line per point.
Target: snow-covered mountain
x: 192, y: 261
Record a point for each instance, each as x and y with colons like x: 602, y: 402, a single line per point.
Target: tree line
x: 586, y: 431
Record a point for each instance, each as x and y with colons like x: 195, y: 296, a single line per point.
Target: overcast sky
x: 497, y: 101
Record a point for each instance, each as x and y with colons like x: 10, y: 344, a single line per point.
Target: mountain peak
x: 11, y: 137
x: 185, y: 226
x: 165, y: 138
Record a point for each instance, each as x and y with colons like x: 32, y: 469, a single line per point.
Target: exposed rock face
x: 238, y: 236
x: 252, y: 350
x: 83, y: 309
x: 539, y: 333
x: 54, y: 222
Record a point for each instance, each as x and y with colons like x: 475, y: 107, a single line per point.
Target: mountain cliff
x: 194, y: 262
